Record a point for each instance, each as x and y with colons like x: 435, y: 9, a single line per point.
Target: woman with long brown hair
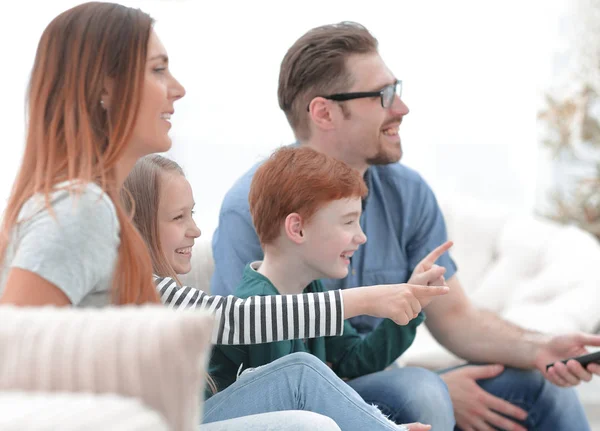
x: 100, y: 97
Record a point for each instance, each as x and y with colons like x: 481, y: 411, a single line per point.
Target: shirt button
x: 353, y: 271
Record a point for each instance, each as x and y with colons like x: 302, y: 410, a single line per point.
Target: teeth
x: 391, y: 131
x: 165, y: 116
x: 184, y: 250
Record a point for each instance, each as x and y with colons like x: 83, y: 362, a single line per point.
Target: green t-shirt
x: 350, y: 355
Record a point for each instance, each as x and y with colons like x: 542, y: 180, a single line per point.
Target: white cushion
x: 533, y: 272
x: 152, y: 353
x: 74, y: 412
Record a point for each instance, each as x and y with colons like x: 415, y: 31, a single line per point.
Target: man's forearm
x: 482, y: 336
x: 479, y: 335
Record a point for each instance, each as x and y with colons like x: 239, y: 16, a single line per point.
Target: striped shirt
x: 261, y: 319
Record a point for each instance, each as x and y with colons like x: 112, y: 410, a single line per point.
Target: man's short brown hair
x: 316, y: 65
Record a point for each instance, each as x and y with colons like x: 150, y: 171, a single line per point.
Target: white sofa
x: 533, y: 272
x: 69, y: 411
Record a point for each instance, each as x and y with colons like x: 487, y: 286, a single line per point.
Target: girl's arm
x: 261, y: 319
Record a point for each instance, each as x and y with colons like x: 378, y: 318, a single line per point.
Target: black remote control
x: 583, y: 359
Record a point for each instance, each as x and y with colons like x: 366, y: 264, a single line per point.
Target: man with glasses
x: 340, y: 98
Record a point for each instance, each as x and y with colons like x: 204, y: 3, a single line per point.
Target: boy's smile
x: 332, y: 235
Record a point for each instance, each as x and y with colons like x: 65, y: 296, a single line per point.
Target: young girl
x: 164, y: 205
x: 100, y: 97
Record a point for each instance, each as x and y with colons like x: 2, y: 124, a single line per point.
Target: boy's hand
x: 426, y: 294
x: 403, y: 302
x: 400, y: 302
x: 427, y: 273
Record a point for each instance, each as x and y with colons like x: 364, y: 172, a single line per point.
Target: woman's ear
x: 293, y: 228
x: 107, y: 91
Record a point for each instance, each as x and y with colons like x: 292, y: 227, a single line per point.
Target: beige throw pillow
x: 151, y: 353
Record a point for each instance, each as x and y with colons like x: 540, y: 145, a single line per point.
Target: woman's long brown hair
x: 71, y: 137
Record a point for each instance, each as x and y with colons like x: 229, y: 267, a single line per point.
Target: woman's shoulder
x: 72, y: 200
x: 71, y: 239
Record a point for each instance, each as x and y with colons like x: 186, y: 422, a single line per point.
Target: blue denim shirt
x: 401, y: 218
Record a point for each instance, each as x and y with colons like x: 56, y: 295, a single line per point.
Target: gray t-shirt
x: 75, y: 248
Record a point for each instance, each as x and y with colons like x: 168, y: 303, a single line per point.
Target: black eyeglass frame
x: 342, y: 97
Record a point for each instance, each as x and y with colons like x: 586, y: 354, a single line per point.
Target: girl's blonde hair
x: 140, y: 195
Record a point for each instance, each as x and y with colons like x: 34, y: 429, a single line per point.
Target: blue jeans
x: 299, y: 381
x: 549, y: 407
x: 408, y: 395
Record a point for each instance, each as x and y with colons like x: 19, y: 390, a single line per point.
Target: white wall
x: 472, y: 72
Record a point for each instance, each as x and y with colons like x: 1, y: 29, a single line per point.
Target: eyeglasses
x: 386, y: 94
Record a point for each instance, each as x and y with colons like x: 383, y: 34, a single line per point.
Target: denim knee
x: 549, y: 407
x: 430, y: 393
x: 297, y: 365
x: 408, y: 395
x: 534, y: 386
x: 303, y: 358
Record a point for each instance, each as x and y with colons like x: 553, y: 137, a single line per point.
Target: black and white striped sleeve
x: 261, y: 319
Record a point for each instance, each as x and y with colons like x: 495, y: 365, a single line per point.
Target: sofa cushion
x: 533, y: 272
x: 35, y: 411
x: 151, y: 353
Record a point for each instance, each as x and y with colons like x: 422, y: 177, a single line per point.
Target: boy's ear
x: 293, y: 228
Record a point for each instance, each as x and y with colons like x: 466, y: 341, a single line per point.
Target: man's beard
x: 385, y: 157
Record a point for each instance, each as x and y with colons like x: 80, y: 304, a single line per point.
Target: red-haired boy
x: 306, y: 207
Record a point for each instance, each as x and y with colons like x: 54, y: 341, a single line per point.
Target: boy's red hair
x: 298, y: 180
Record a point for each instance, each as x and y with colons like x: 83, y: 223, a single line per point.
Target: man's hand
x: 476, y: 409
x: 426, y: 273
x: 562, y: 347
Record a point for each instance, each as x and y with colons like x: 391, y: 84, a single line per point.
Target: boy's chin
x: 338, y: 273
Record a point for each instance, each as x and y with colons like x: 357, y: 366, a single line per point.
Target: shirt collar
x: 368, y: 178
